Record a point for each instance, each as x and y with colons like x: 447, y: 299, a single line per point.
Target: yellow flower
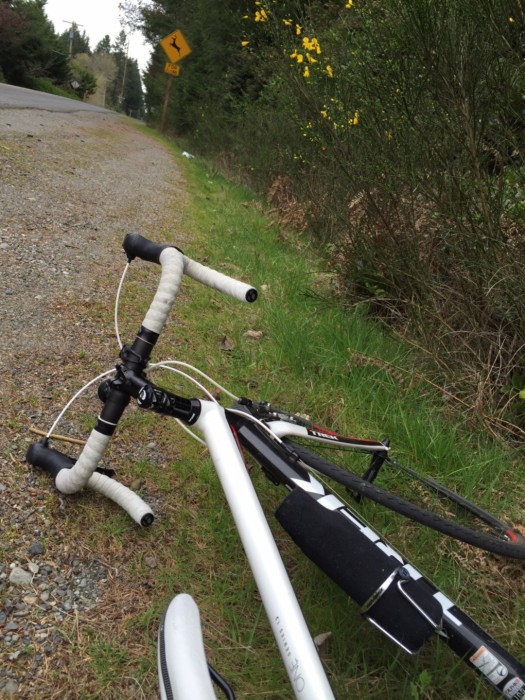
x: 306, y: 73
x: 287, y: 22
x: 354, y: 121
x: 298, y: 29
x: 310, y: 58
x: 244, y: 43
x: 261, y: 16
x: 349, y: 4
x: 511, y: 19
x: 311, y: 45
x: 298, y: 56
x: 330, y: 71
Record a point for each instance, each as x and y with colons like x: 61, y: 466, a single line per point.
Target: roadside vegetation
x: 394, y: 134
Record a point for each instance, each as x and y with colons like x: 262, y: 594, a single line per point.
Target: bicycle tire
x: 514, y: 548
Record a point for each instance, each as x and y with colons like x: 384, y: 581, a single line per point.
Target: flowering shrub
x: 412, y: 108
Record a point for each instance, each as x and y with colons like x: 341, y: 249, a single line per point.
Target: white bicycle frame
x: 291, y: 633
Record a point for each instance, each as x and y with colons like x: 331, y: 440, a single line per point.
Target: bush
x: 398, y: 131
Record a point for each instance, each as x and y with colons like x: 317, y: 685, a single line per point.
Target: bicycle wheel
x: 503, y: 539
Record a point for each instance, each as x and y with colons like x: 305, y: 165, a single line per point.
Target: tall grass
x: 347, y: 372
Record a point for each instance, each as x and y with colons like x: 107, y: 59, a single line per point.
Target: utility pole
x: 71, y: 34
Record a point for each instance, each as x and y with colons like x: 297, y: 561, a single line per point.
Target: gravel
x: 71, y: 187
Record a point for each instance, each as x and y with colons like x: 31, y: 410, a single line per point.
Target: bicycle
x: 392, y: 594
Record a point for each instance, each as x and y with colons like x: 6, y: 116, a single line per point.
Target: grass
x: 312, y: 357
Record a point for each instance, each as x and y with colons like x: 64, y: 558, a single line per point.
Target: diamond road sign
x: 175, y: 46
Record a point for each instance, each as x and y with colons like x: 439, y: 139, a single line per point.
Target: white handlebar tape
x: 172, y: 261
x: 216, y: 280
x: 136, y: 508
x: 82, y: 474
x: 74, y: 479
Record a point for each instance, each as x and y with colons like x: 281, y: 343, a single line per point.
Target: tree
x: 104, y: 68
x: 84, y: 82
x: 119, y: 51
x: 214, y: 76
x: 133, y: 103
x: 118, y: 76
x: 29, y: 47
x: 104, y: 45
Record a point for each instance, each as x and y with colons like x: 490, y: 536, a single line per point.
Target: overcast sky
x: 98, y: 17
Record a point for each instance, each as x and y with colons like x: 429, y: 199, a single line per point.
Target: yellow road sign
x: 175, y: 46
x: 172, y: 68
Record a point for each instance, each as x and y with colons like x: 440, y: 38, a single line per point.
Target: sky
x: 98, y: 17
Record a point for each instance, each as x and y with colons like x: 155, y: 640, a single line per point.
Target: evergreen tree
x: 214, y: 76
x: 104, y: 45
x: 133, y: 104
x: 119, y: 51
x: 29, y: 47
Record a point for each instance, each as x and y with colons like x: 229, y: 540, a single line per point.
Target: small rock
x: 20, y: 577
x: 33, y: 568
x: 35, y: 548
x: 151, y: 562
x: 8, y: 687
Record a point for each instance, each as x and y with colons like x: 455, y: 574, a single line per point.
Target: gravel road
x: 71, y: 186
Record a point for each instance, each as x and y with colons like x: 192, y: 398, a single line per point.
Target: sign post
x: 176, y: 48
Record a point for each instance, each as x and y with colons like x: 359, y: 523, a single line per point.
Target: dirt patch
x: 71, y: 187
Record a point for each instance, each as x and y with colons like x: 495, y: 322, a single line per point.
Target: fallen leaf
x: 254, y: 335
x: 226, y: 345
x: 321, y: 639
